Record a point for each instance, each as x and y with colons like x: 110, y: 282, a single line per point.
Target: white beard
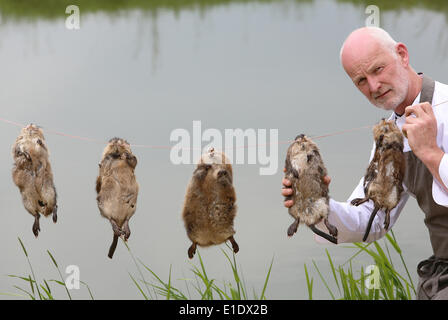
x: 400, y: 91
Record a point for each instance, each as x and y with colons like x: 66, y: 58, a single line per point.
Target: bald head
x: 379, y: 68
x: 366, y: 38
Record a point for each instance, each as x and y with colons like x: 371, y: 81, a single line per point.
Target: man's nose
x: 374, y: 84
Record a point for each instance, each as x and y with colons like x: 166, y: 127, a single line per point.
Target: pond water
x: 141, y: 71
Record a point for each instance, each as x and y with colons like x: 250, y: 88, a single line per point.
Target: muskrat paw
x: 293, y: 228
x: 192, y: 251
x: 358, y: 201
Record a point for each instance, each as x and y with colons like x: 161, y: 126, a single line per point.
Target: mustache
x: 376, y: 95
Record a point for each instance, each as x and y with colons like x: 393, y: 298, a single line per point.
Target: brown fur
x: 305, y: 169
x: 209, y: 207
x: 33, y: 176
x: 383, y: 181
x: 117, y: 188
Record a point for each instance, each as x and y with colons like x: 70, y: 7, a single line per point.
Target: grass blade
x: 262, y: 296
x: 60, y: 274
x: 309, y: 284
x: 138, y: 286
x: 333, y: 270
x: 323, y: 280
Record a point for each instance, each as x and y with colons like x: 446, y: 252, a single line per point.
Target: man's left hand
x: 421, y: 130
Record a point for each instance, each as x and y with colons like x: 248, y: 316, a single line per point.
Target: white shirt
x: 351, y: 221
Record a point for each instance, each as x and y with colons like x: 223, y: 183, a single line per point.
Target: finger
x: 408, y: 129
x: 404, y: 131
x: 286, y: 192
x: 284, y: 169
x: 427, y: 108
x: 415, y: 110
x: 408, y: 110
x: 411, y: 120
x: 286, y: 182
x: 326, y: 180
x: 288, y: 203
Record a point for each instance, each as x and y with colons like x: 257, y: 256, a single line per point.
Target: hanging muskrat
x: 383, y: 181
x: 117, y: 188
x: 209, y: 207
x: 33, y: 176
x: 305, y: 169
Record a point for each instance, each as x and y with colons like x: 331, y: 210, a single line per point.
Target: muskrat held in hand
x: 383, y: 181
x: 305, y: 169
x: 209, y: 206
x: 33, y: 176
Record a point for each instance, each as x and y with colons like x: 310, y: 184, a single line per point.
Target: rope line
x: 74, y: 137
x: 171, y: 147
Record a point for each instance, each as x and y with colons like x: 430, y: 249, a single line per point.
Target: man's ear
x: 402, y: 52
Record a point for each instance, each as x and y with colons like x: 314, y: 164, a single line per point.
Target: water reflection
x: 391, y: 9
x: 146, y: 15
x: 386, y: 5
x: 46, y: 9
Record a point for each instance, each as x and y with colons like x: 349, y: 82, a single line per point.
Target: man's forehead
x: 362, y: 55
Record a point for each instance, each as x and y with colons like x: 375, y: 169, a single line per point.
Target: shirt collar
x: 416, y: 101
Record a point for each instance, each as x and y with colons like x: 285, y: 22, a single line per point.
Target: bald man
x: 379, y: 67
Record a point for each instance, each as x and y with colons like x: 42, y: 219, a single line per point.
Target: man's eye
x: 361, y: 81
x: 379, y: 69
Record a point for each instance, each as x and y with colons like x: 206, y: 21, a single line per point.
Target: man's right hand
x: 287, y: 190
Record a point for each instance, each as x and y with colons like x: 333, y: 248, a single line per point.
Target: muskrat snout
x: 222, y: 173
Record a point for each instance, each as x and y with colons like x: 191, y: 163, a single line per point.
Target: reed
x: 345, y: 283
x: 42, y: 290
x: 204, y: 286
x: 353, y: 285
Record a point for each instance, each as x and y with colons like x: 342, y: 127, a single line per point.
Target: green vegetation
x: 39, y: 291
x: 346, y: 283
x: 55, y: 9
x: 392, y: 285
x: 205, y: 288
x: 386, y: 5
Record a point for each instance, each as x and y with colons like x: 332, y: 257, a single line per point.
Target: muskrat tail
x: 113, y: 246
x: 369, y: 225
x: 323, y: 234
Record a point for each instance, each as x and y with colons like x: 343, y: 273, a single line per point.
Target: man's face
x: 378, y: 74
